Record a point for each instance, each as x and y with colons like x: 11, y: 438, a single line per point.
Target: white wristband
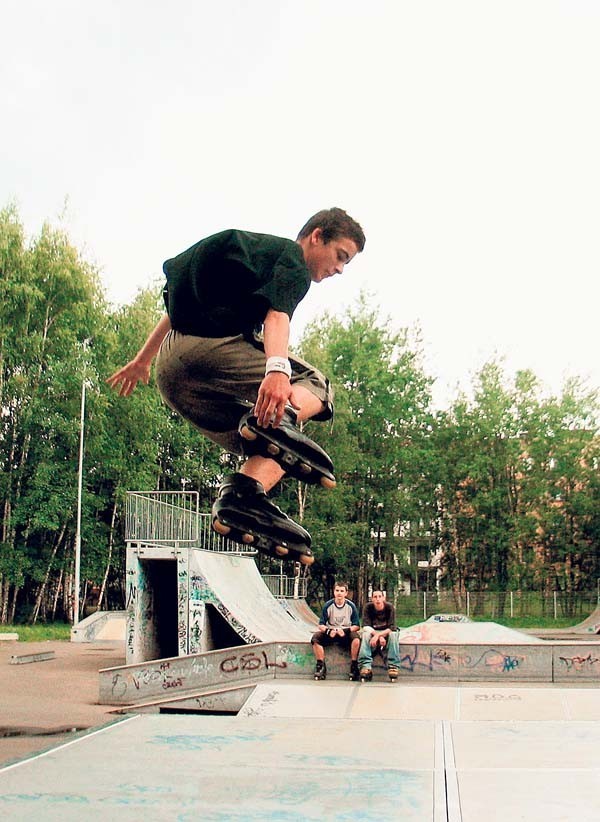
x: 278, y: 364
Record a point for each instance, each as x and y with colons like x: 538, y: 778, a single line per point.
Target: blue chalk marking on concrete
x: 331, y: 761
x: 50, y: 798
x: 198, y: 742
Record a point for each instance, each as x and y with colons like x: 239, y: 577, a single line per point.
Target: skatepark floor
x: 298, y: 750
x: 42, y: 702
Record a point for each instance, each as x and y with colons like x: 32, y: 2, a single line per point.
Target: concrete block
x: 130, y: 684
x: 22, y: 659
x: 529, y: 663
x: 578, y: 662
x: 433, y: 661
x: 6, y: 637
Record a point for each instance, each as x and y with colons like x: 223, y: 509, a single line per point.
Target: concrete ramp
x: 459, y: 632
x: 233, y: 585
x: 101, y: 626
x: 299, y: 610
x: 591, y: 625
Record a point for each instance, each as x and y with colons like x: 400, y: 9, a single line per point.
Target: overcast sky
x: 464, y: 137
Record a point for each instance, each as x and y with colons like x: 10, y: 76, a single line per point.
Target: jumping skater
x: 223, y: 364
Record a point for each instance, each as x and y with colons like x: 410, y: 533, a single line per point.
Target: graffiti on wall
x: 579, y: 664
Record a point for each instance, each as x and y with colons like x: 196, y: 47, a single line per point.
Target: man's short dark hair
x: 334, y: 223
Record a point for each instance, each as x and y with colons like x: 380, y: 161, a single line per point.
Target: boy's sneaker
x: 393, y: 674
x: 354, y: 672
x: 298, y: 455
x: 320, y: 670
x: 366, y: 674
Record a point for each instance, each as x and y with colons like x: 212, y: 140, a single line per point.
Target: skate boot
x: 393, y: 674
x: 354, y: 675
x: 298, y: 455
x: 242, y: 512
x: 320, y: 670
x: 366, y: 674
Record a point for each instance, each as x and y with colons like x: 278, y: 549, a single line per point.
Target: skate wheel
x: 220, y: 528
x: 328, y: 483
x: 247, y: 539
x: 247, y: 434
x: 304, y: 468
x: 305, y: 559
x: 273, y: 449
x: 281, y: 551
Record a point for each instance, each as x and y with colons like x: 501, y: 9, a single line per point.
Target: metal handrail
x: 173, y: 518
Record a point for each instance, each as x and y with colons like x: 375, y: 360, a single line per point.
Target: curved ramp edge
x: 233, y: 585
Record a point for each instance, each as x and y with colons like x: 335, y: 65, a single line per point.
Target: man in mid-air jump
x: 223, y: 364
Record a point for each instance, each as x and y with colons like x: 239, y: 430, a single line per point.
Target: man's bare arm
x: 275, y: 390
x: 126, y: 378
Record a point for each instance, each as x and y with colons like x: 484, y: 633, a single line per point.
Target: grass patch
x: 39, y: 633
x: 532, y: 622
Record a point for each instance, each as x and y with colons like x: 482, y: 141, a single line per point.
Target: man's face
x: 339, y: 593
x: 378, y: 600
x: 326, y: 259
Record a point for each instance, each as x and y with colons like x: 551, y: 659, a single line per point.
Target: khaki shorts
x: 213, y: 381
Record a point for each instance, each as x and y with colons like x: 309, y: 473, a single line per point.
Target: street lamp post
x: 77, y: 581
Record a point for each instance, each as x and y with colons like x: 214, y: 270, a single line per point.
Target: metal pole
x: 79, y: 494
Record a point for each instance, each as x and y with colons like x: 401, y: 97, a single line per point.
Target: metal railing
x: 286, y: 587
x: 173, y: 518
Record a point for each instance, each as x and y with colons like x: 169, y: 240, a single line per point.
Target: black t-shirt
x: 379, y: 620
x: 225, y: 284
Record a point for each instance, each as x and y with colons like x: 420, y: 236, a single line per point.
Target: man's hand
x: 126, y: 378
x: 273, y: 395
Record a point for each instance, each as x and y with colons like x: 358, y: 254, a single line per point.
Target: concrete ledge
x: 5, y: 637
x: 144, y: 681
x: 219, y: 700
x: 573, y: 662
x: 250, y: 664
x: 22, y: 659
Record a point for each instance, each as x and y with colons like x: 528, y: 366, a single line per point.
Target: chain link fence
x: 491, y: 605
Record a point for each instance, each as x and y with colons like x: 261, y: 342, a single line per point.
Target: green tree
x: 376, y: 441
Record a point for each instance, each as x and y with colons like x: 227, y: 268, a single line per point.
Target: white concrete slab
x: 582, y: 703
x: 489, y: 704
x: 546, y: 771
x: 509, y: 745
x: 175, y: 767
x: 335, y: 751
x: 299, y: 700
x: 529, y: 796
x: 383, y: 700
x: 387, y: 701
